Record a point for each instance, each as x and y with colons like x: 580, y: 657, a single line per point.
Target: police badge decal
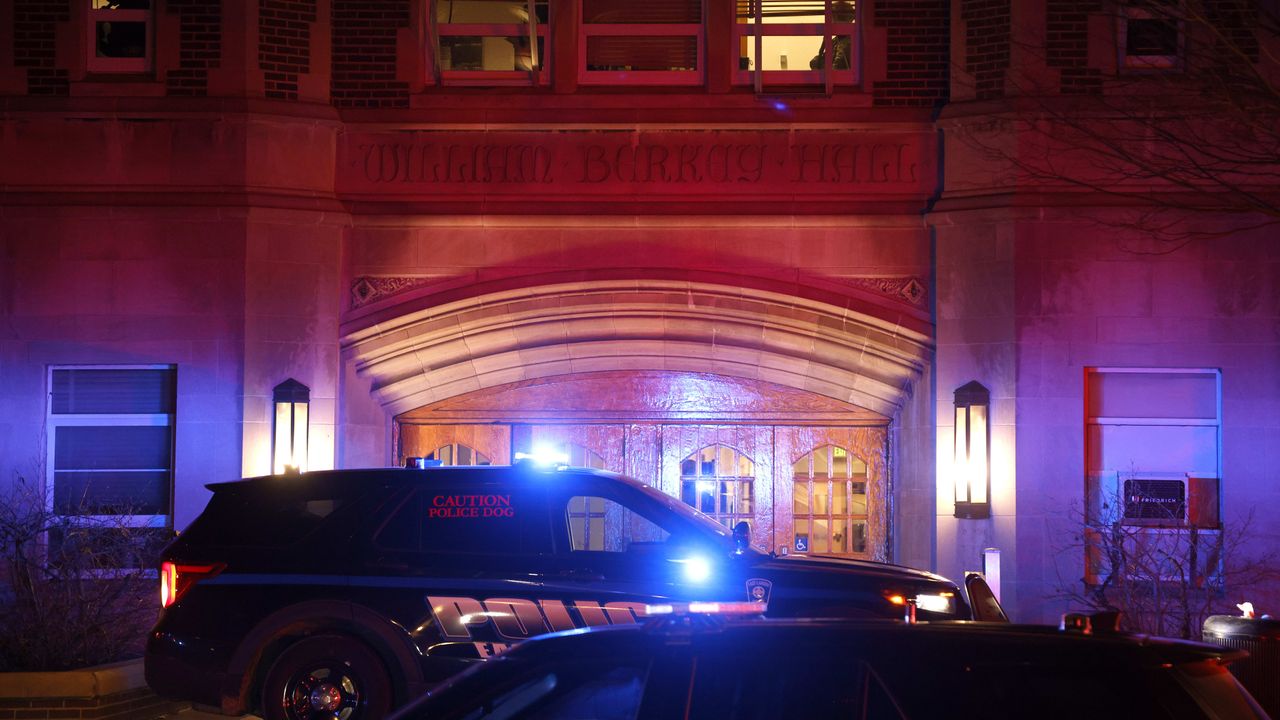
x: 758, y: 590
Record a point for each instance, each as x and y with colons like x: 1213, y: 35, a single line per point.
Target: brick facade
x: 199, y: 46
x: 987, y: 25
x: 364, y: 53
x: 284, y: 44
x: 34, y: 46
x: 919, y: 37
x: 1067, y: 45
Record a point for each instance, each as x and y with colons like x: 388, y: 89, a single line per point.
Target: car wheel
x: 326, y: 677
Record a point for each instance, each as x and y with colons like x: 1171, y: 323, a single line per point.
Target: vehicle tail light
x: 176, y: 580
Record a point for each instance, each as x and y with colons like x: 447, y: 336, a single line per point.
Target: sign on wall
x: 776, y: 167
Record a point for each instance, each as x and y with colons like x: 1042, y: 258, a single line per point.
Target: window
x: 829, y: 503
x: 120, y: 36
x: 717, y: 480
x: 789, y: 42
x: 110, y: 453
x: 1153, y: 439
x: 601, y: 524
x: 455, y: 454
x: 490, y: 42
x: 1150, y: 35
x: 655, y: 42
x: 471, y: 518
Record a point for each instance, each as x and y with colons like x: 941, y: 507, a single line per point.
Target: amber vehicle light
x: 176, y: 579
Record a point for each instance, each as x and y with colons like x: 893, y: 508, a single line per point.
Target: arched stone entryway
x: 645, y: 374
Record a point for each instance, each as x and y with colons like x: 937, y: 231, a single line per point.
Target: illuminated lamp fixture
x: 972, y: 467
x: 289, y: 441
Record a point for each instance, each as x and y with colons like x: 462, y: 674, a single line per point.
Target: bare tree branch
x: 1174, y: 144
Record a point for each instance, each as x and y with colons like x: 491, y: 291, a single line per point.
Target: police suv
x: 343, y: 594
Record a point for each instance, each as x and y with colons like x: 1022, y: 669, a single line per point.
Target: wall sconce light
x: 972, y: 467
x: 289, y: 441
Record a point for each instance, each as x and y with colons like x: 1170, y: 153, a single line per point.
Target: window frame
x: 541, y: 77
x: 850, y: 518
x: 108, y: 65
x: 693, y: 77
x: 1138, y: 63
x: 1103, y: 484
x: 728, y: 518
x: 55, y: 421
x: 827, y: 76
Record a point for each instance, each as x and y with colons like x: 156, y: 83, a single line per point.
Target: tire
x: 327, y: 677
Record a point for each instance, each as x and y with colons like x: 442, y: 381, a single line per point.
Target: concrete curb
x: 107, y: 692
x: 86, y: 683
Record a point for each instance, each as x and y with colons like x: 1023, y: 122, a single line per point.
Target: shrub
x: 76, y: 589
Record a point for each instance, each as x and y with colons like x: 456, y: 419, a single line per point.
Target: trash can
x: 1260, y: 672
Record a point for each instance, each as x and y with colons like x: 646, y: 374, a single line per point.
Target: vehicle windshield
x: 701, y: 523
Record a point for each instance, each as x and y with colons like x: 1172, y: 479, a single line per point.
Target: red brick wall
x: 199, y: 46
x: 284, y: 44
x: 919, y: 39
x: 1067, y: 44
x: 136, y: 704
x: 364, y: 53
x: 33, y: 44
x: 987, y: 24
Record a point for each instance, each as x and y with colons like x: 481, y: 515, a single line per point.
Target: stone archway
x: 451, y: 372
x: 418, y: 356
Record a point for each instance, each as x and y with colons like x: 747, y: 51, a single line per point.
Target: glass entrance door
x: 724, y: 471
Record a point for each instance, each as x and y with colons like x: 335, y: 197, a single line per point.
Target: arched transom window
x: 455, y: 454
x: 829, y: 503
x: 718, y: 480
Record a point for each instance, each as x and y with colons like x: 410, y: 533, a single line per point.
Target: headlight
x: 936, y: 603
x: 696, y: 569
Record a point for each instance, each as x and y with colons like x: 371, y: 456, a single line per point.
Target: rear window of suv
x: 267, y: 517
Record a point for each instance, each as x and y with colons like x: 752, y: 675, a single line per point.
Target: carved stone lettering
x: 637, y: 162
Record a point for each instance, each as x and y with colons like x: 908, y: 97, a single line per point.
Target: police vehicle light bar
x: 707, y: 608
x: 544, y: 456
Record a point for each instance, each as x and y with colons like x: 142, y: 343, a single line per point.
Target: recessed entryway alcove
x: 807, y: 472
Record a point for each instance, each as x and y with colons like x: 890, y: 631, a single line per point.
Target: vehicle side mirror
x: 742, y: 536
x: 983, y: 602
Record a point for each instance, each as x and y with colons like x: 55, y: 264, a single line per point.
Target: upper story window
x: 1150, y: 35
x: 764, y: 43
x: 790, y: 42
x: 650, y: 42
x: 121, y: 36
x: 491, y: 42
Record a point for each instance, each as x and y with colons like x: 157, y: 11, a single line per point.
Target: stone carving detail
x: 371, y: 288
x: 910, y: 290
x: 368, y: 288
